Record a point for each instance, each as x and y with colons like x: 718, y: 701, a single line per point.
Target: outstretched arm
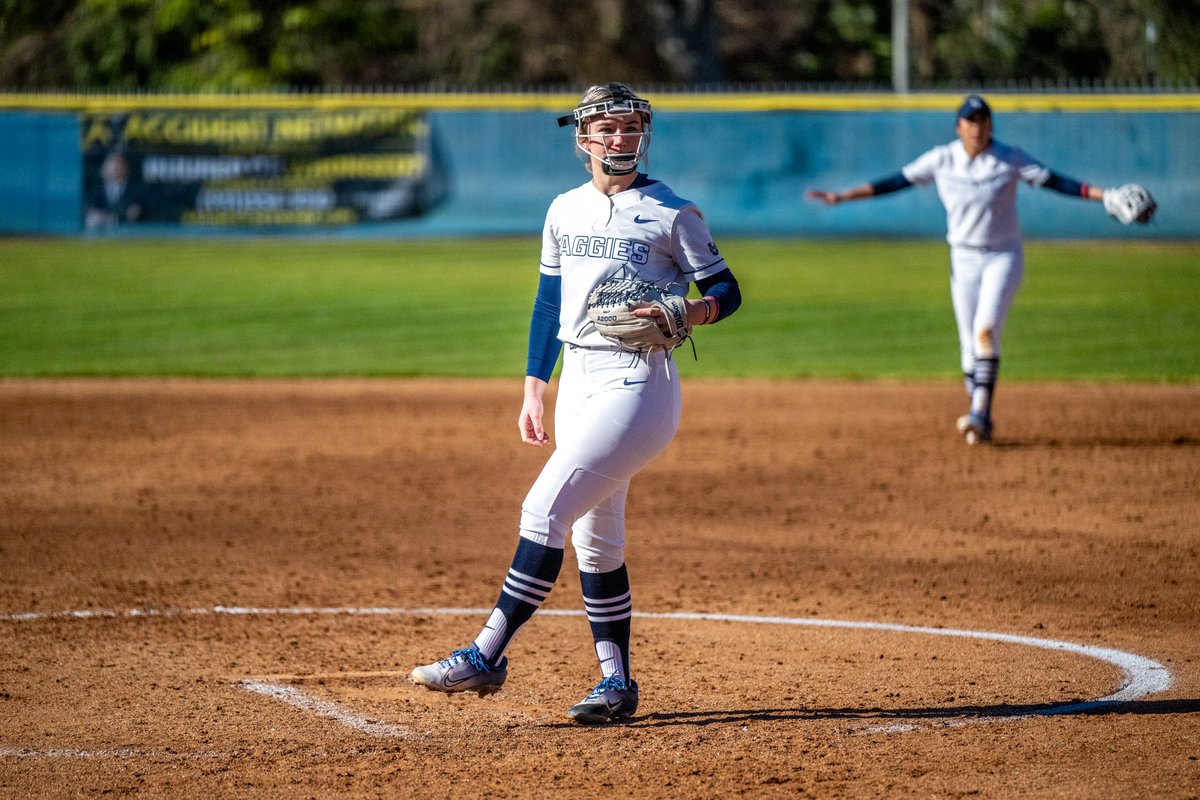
x: 1127, y: 204
x: 833, y: 198
x: 892, y: 183
x: 1065, y: 185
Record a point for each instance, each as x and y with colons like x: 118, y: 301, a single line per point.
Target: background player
x: 616, y: 410
x: 976, y: 179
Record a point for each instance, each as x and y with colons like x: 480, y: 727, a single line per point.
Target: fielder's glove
x: 1130, y: 203
x: 611, y: 305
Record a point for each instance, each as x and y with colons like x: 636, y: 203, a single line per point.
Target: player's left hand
x: 1129, y: 204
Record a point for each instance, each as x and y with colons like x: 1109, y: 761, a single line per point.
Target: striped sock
x: 986, y: 371
x: 969, y: 383
x: 606, y: 597
x: 534, y: 570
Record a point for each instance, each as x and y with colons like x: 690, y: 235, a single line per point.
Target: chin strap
x: 608, y: 169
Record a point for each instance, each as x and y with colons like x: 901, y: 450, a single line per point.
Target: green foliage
x: 1022, y: 40
x: 189, y: 45
x: 288, y: 307
x: 121, y: 44
x: 1178, y: 28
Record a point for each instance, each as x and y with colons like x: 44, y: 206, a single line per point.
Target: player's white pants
x: 615, y: 412
x: 983, y: 284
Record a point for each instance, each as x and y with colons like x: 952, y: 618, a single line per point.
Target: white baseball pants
x: 983, y: 284
x: 614, y: 414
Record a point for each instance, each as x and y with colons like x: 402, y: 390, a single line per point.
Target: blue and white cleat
x: 464, y: 671
x: 612, y: 699
x: 975, y: 428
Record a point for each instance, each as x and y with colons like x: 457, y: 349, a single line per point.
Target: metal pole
x: 900, y: 46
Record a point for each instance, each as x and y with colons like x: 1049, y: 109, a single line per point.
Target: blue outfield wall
x: 747, y: 170
x: 41, y: 173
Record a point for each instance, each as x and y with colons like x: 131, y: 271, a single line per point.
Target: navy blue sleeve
x: 544, y: 345
x: 723, y: 288
x: 892, y: 183
x: 1061, y: 183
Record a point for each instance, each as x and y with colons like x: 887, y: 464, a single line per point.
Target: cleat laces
x: 611, y: 682
x: 471, y: 655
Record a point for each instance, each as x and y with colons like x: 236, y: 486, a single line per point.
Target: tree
x: 31, y: 43
x: 189, y: 45
x: 1122, y: 41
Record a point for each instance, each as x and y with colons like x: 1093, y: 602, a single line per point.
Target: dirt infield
x: 217, y: 589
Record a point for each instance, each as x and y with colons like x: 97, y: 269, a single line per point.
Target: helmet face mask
x: 613, y: 107
x: 613, y: 100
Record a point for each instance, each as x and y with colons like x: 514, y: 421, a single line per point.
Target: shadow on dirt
x: 1087, y: 443
x: 974, y: 713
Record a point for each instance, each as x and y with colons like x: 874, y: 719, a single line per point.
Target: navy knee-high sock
x: 534, y: 570
x: 986, y: 372
x: 607, y: 599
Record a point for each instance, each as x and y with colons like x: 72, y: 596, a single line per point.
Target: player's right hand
x: 533, y: 410
x: 828, y: 198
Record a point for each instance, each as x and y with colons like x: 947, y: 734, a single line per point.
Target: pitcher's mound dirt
x: 217, y: 535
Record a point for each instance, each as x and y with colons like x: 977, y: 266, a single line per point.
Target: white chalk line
x: 1141, y: 676
x: 323, y: 708
x: 115, y: 753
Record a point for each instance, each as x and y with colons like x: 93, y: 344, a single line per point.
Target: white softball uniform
x: 986, y: 256
x: 646, y: 231
x: 980, y: 193
x: 983, y: 285
x: 615, y: 411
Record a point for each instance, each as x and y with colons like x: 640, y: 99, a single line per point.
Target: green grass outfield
x: 1125, y: 311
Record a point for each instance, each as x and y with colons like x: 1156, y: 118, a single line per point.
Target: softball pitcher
x: 976, y: 179
x: 618, y: 405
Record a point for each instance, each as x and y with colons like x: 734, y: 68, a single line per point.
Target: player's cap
x: 974, y: 104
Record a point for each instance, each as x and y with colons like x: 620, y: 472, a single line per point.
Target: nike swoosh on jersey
x: 632, y: 383
x: 638, y: 219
